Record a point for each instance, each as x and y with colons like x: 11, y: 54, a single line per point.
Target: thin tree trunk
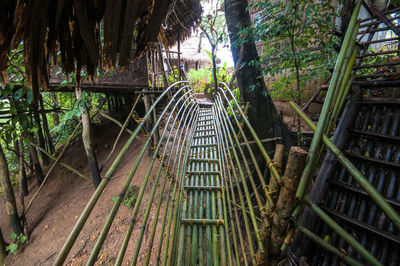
x: 46, y: 126
x: 8, y: 192
x: 262, y: 115
x: 23, y: 183
x: 41, y: 141
x: 3, y: 252
x: 214, y: 72
x: 87, y: 143
x: 56, y: 116
x: 35, y: 160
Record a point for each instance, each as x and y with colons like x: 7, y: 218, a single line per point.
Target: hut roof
x: 86, y: 34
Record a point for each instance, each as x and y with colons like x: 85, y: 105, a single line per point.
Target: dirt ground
x: 57, y: 208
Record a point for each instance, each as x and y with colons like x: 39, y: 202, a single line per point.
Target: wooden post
x: 8, y: 192
x: 87, y: 143
x: 278, y: 157
x: 287, y: 200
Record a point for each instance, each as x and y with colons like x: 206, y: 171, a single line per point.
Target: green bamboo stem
x: 328, y: 247
x: 358, y: 176
x: 117, y: 203
x: 173, y: 210
x: 128, y: 118
x: 261, y: 205
x: 153, y: 230
x: 92, y: 202
x: 220, y: 204
x: 179, y: 243
x: 342, y: 233
x: 254, y: 160
x: 228, y: 137
x: 228, y: 184
x: 324, y: 116
x: 180, y: 173
x: 150, y: 201
x: 260, y: 146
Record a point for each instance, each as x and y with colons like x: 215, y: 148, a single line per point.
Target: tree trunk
x: 35, y: 160
x: 87, y: 143
x: 214, y: 72
x: 56, y: 117
x: 23, y: 183
x: 41, y: 142
x: 46, y: 126
x: 3, y: 252
x: 262, y: 114
x: 8, y: 192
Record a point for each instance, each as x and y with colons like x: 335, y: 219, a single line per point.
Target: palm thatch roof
x: 87, y: 34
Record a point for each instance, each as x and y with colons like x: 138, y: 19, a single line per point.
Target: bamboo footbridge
x: 212, y: 194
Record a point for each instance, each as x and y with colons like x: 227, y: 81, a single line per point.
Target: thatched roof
x: 86, y: 34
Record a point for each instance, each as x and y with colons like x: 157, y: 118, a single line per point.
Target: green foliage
x: 18, y: 240
x: 297, y: 42
x: 201, y: 80
x: 236, y: 93
x: 129, y: 198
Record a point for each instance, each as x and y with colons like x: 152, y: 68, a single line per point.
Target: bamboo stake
x: 286, y: 200
x: 278, y: 157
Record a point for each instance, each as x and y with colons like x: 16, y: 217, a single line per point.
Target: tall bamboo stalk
x: 324, y: 116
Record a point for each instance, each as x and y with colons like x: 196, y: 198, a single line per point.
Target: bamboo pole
x: 342, y: 233
x: 328, y: 247
x: 324, y: 116
x: 90, y: 205
x: 56, y: 160
x: 153, y: 230
x: 138, y: 201
x: 267, y: 158
x: 123, y: 127
x: 278, y: 157
x: 358, y: 176
x: 117, y: 203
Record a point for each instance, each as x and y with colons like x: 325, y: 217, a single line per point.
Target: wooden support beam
x: 287, y: 200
